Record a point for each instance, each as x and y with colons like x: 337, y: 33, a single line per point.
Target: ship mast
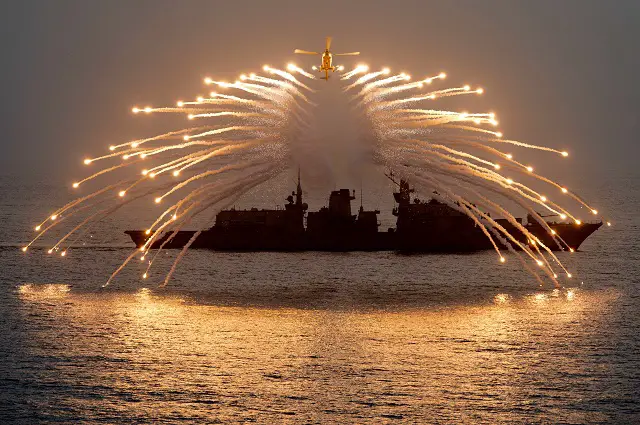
x: 403, y: 196
x: 361, y: 208
x: 299, y: 191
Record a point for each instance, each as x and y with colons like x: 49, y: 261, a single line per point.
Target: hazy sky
x: 561, y: 73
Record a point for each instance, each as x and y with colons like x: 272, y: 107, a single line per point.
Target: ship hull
x: 422, y: 226
x: 435, y: 240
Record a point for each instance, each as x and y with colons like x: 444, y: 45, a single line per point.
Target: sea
x: 277, y: 338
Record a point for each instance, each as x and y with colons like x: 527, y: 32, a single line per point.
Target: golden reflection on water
x: 48, y: 291
x: 177, y: 358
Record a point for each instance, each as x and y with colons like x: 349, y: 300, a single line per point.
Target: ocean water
x: 316, y: 337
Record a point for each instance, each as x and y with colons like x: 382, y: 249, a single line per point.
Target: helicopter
x: 327, y: 56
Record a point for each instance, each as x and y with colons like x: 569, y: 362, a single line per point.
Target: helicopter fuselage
x: 327, y: 59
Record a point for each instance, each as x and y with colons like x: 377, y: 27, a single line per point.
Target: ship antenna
x: 299, y: 190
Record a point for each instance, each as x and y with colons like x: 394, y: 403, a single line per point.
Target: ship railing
x: 570, y: 222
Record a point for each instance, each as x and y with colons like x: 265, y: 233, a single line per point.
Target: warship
x: 421, y: 226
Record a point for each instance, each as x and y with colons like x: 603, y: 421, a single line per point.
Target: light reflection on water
x: 150, y: 354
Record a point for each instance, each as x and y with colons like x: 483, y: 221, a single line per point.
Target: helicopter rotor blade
x: 329, y: 43
x: 346, y: 54
x: 305, y: 52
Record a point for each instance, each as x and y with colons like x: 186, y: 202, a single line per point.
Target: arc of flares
x: 245, y: 139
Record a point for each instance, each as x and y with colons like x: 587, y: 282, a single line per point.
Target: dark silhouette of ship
x: 421, y: 226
